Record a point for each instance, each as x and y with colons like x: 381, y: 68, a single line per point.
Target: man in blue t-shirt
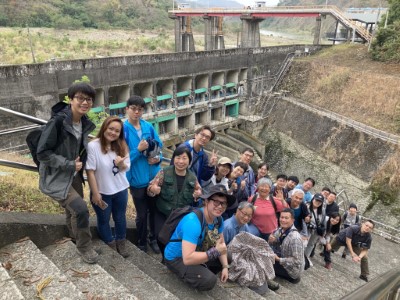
x: 198, y: 242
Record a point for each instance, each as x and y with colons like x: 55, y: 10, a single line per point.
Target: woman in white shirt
x: 108, y: 161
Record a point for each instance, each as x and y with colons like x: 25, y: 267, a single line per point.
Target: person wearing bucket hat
x: 222, y: 171
x: 196, y: 244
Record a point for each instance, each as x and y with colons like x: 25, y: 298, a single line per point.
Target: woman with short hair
x: 267, y: 208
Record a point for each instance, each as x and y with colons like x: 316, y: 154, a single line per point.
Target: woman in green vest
x: 175, y: 186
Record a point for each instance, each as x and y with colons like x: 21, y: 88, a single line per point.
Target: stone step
x: 91, y: 279
x: 172, y: 283
x: 8, y: 288
x: 30, y: 268
x: 136, y: 281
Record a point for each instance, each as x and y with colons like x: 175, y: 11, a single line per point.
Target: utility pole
x: 30, y: 44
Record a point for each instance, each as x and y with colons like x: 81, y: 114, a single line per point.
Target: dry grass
x: 90, y: 43
x: 344, y: 80
x: 19, y: 191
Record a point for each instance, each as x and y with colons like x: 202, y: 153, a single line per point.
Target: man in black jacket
x: 62, y: 155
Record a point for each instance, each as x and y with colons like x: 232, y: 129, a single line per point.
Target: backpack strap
x: 253, y: 200
x: 271, y: 198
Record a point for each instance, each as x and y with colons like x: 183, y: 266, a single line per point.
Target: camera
x: 311, y: 226
x: 153, y: 150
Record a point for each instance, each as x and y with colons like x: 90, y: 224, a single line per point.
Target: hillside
x: 345, y: 80
x: 306, y: 25
x: 143, y: 14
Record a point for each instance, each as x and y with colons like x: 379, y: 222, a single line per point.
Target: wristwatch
x: 226, y: 266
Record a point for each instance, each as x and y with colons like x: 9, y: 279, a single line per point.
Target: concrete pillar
x: 336, y: 32
x: 106, y: 100
x: 209, y: 25
x: 250, y: 33
x: 317, y: 31
x: 178, y: 33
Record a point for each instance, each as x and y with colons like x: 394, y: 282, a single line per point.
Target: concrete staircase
x: 25, y: 269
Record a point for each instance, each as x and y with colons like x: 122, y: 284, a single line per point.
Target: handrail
x: 287, y: 62
x: 386, y: 286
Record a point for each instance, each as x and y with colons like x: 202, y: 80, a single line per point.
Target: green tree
x: 386, y: 46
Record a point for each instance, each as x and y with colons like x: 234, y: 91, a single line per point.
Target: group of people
x: 126, y: 155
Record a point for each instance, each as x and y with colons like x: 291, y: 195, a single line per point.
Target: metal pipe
x: 9, y: 112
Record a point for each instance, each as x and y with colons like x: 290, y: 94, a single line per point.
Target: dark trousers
x: 281, y: 272
x: 196, y: 276
x: 327, y: 255
x: 159, y: 220
x: 77, y: 216
x: 145, y: 207
x: 335, y: 244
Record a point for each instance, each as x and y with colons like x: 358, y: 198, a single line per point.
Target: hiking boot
x: 328, y: 266
x: 112, y: 245
x: 363, y: 277
x: 89, y: 256
x: 344, y: 255
x: 121, y: 248
x: 143, y: 248
x: 154, y: 247
x: 272, y: 285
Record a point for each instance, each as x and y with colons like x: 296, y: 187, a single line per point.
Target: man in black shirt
x: 330, y: 204
x: 358, y: 240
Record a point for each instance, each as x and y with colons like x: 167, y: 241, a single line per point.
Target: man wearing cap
x: 199, y: 242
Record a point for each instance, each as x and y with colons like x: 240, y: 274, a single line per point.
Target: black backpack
x: 164, y: 236
x: 33, y: 137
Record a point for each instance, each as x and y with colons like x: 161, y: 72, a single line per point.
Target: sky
x: 251, y: 2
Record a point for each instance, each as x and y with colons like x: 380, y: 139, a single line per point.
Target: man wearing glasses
x: 239, y: 222
x: 62, y: 155
x: 195, y: 244
x: 203, y: 167
x: 144, y: 168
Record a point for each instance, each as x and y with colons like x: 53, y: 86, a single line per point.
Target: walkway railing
x: 389, y: 137
x: 384, y: 230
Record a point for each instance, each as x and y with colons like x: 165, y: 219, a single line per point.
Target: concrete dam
x: 223, y: 88
x: 228, y: 89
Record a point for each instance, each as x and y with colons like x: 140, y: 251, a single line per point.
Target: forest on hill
x: 75, y: 14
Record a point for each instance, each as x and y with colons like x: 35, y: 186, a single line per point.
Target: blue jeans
x: 117, y: 207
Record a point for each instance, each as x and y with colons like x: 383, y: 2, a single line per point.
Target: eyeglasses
x: 205, y: 136
x: 135, y: 108
x: 82, y: 99
x: 219, y: 203
x: 115, y: 168
x: 245, y: 215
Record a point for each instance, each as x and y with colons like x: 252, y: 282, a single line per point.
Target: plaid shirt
x: 292, y: 253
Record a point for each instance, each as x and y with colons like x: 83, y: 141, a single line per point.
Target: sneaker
x: 121, y: 248
x: 344, y: 255
x: 272, y: 285
x: 154, y: 247
x: 90, y: 256
x: 363, y: 277
x: 328, y: 266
